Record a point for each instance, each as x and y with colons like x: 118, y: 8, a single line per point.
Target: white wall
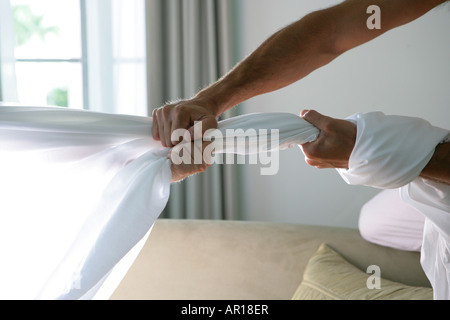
x: 406, y: 71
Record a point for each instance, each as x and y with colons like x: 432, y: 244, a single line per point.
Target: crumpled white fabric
x: 80, y: 191
x: 390, y: 152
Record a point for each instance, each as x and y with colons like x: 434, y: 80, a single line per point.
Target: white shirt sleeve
x: 390, y: 152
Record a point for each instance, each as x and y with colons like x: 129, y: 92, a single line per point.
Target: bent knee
x: 388, y: 221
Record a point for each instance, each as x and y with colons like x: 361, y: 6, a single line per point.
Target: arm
x: 438, y: 169
x: 286, y: 57
x: 336, y: 141
x: 308, y: 44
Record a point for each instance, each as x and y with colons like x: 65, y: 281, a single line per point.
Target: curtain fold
x: 8, y: 85
x: 188, y: 47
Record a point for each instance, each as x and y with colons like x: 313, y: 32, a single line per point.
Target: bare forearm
x: 285, y: 57
x: 438, y: 169
x: 306, y: 45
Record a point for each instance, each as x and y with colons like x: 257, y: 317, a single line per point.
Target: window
x: 49, y: 59
x: 81, y: 54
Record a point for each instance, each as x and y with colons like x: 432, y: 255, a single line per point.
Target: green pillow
x: 328, y: 276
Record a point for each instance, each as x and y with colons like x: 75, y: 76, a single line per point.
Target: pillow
x: 328, y: 276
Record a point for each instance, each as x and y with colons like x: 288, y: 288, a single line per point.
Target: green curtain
x: 190, y: 44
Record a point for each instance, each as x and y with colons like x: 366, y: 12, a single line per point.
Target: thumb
x: 315, y: 118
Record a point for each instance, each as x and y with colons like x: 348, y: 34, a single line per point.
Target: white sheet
x: 80, y: 191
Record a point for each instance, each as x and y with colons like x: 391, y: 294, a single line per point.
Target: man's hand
x: 187, y: 150
x: 335, y: 143
x: 182, y: 115
x: 438, y: 169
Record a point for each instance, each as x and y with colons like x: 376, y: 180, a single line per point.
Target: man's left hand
x: 334, y: 145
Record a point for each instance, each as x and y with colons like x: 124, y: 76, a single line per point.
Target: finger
x: 167, y: 128
x: 181, y: 121
x: 311, y: 149
x: 209, y: 123
x: 315, y: 118
x: 304, y: 112
x: 318, y: 164
x: 160, y: 121
x: 155, y: 130
x: 310, y: 162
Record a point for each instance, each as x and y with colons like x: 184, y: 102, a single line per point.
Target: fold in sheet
x: 390, y: 153
x: 80, y: 191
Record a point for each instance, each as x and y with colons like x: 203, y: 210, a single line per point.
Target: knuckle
x: 203, y: 166
x: 182, y: 108
x: 180, y: 111
x: 166, y: 112
x: 310, y: 162
x: 157, y: 114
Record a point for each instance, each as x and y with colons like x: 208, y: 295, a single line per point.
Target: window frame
x: 103, y: 66
x: 83, y: 60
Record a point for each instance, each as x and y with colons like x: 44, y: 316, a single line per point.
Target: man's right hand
x: 182, y: 115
